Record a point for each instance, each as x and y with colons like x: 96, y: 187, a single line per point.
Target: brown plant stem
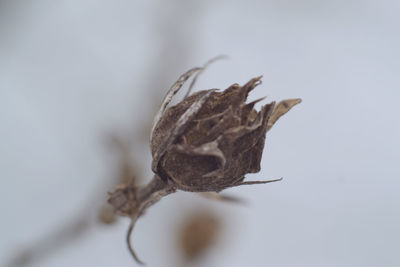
x: 133, y: 201
x: 152, y: 192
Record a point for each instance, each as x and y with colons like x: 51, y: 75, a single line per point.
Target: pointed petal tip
x: 256, y: 101
x: 295, y: 100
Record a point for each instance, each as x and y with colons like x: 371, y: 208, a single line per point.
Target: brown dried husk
x: 220, y: 144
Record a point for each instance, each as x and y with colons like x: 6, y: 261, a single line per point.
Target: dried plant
x: 206, y: 143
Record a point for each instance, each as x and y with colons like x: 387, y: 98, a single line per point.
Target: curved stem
x: 147, y: 196
x: 128, y: 241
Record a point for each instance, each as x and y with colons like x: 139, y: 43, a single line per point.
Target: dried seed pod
x: 220, y: 142
x: 206, y: 143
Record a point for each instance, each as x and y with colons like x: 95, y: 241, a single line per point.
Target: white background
x: 72, y: 72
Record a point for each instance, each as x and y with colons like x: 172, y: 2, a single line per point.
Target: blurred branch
x: 92, y: 214
x: 69, y: 232
x: 176, y: 45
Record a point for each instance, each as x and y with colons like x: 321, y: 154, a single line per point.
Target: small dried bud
x: 206, y: 143
x: 124, y: 200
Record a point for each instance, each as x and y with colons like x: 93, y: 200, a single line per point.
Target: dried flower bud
x: 206, y: 143
x: 217, y: 145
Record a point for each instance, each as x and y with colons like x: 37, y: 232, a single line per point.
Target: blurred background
x: 80, y: 82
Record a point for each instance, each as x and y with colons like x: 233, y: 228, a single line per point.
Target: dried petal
x: 281, y: 109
